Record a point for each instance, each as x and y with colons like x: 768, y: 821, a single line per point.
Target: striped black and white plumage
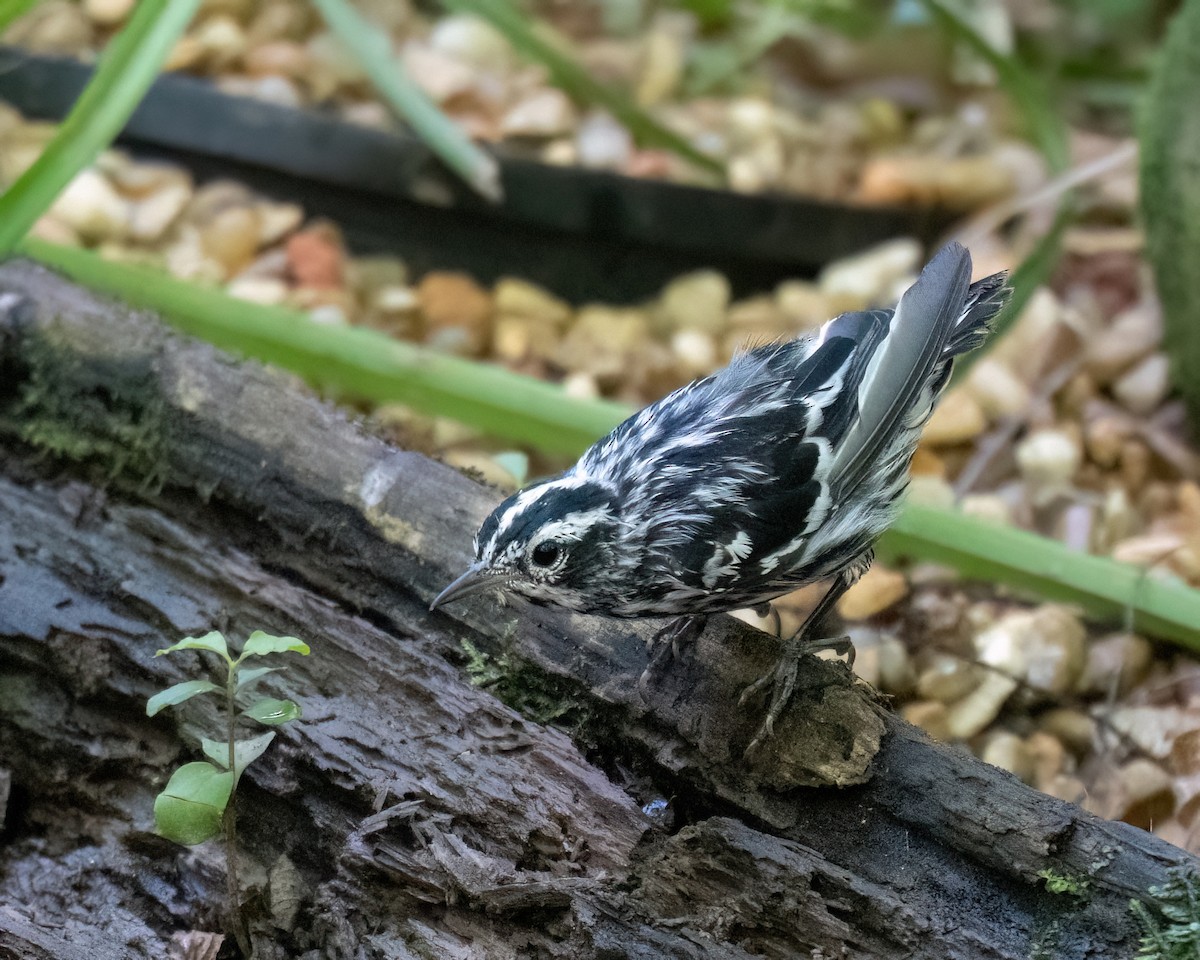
x: 778, y: 471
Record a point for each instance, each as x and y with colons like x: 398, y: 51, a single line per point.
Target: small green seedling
x: 198, y: 801
x: 1172, y: 931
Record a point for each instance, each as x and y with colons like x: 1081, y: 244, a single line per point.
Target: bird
x: 778, y: 471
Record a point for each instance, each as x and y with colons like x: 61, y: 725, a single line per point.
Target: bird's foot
x: 667, y: 645
x: 781, y: 679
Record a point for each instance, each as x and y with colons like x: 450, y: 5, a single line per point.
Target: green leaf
x: 565, y: 72
x: 11, y: 10
x: 245, y: 752
x: 260, y: 644
x: 1169, y: 137
x: 1118, y: 592
x: 273, y: 712
x: 178, y: 694
x: 247, y: 677
x: 125, y: 71
x: 190, y: 808
x: 371, y: 47
x: 353, y: 361
x: 213, y: 641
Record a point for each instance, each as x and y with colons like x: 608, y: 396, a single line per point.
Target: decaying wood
x: 155, y: 488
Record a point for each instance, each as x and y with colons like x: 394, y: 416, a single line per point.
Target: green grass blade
x: 352, y: 361
x: 372, y: 48
x: 125, y: 71
x: 576, y: 81
x: 11, y: 10
x: 1046, y: 125
x: 1160, y: 607
x: 367, y: 364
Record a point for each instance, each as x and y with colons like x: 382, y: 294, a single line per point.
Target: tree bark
x: 154, y: 488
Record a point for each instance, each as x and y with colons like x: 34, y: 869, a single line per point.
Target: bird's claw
x: 781, y: 680
x: 667, y: 645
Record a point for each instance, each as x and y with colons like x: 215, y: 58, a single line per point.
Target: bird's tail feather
x: 926, y: 327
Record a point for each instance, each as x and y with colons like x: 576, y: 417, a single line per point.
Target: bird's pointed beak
x: 475, y: 579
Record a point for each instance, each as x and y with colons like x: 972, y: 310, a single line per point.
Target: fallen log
x: 155, y: 488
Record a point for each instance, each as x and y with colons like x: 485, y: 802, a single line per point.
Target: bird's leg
x: 781, y: 680
x: 668, y: 643
x: 772, y: 611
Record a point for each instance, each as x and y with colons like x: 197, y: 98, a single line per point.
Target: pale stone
x: 1044, y: 647
x: 512, y: 339
x: 803, y: 304
x: 185, y: 55
x: 263, y: 290
x: 957, y: 418
x: 472, y: 41
x: 1071, y: 727
x: 931, y: 491
x: 947, y: 678
x: 222, y: 39
x: 284, y: 58
x: 151, y: 217
x: 1009, y: 752
x: 277, y: 220
x: 759, y: 319
x: 603, y: 341
x: 543, y: 113
x: 187, y: 260
x: 860, y: 281
x: 396, y: 299
x: 1143, y: 389
x: 581, y: 386
x: 560, y: 153
x: 998, y: 391
x: 51, y: 230
x: 987, y: 507
x: 438, y: 74
x: 663, y: 59
x: 930, y: 716
x: 329, y: 315
x: 1048, y: 458
x: 1133, y: 333
x: 457, y: 312
x: 1148, y: 549
x: 896, y: 674
x: 696, y: 352
x: 877, y: 590
x: 333, y: 66
x: 270, y: 89
x: 1115, y: 664
x: 108, y: 13
x: 137, y: 181
x: 602, y: 142
x: 520, y: 298
x: 91, y: 207
x: 1049, y: 757
x: 696, y: 300
x: 231, y: 237
x: 960, y: 183
x: 53, y: 27
x: 1030, y: 337
x: 972, y: 714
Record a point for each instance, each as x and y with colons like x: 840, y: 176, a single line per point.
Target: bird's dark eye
x: 546, y: 553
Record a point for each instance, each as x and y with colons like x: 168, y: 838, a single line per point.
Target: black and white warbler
x: 778, y: 471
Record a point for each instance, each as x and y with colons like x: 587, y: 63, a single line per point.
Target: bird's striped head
x: 552, y: 542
